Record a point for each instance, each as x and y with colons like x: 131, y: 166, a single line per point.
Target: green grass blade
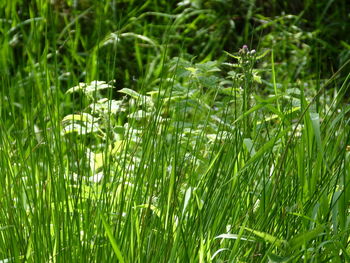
x: 112, y: 240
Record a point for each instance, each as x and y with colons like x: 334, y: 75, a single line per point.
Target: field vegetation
x: 174, y: 131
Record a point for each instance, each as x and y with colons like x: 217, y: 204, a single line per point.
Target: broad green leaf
x: 81, y: 129
x: 91, y: 87
x: 98, y: 161
x: 192, y: 70
x: 208, y: 81
x: 83, y: 117
x: 118, y: 147
x: 105, y: 106
x: 141, y: 99
x: 208, y: 67
x: 139, y: 115
x: 131, y: 93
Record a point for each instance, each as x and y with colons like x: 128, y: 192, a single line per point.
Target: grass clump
x: 143, y: 136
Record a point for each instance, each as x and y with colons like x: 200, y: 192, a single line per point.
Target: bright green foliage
x: 145, y: 131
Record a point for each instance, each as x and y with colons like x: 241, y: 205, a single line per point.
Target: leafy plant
x: 190, y: 154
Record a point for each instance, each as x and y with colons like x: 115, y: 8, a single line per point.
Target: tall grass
x: 182, y: 152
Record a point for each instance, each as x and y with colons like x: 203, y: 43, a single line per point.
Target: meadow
x: 174, y: 131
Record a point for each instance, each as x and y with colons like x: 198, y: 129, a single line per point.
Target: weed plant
x: 150, y: 131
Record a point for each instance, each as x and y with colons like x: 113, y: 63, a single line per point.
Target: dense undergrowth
x: 168, y: 131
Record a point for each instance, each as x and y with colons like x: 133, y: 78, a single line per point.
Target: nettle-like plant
x: 195, y: 111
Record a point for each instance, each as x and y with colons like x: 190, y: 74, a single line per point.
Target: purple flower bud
x: 244, y: 49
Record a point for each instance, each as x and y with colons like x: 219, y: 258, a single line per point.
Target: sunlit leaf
x: 83, y: 117
x: 235, y: 236
x: 268, y: 237
x: 91, y: 87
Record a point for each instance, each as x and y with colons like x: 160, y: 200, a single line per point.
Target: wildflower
x: 244, y: 49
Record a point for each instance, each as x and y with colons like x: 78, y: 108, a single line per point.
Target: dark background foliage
x: 217, y: 25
